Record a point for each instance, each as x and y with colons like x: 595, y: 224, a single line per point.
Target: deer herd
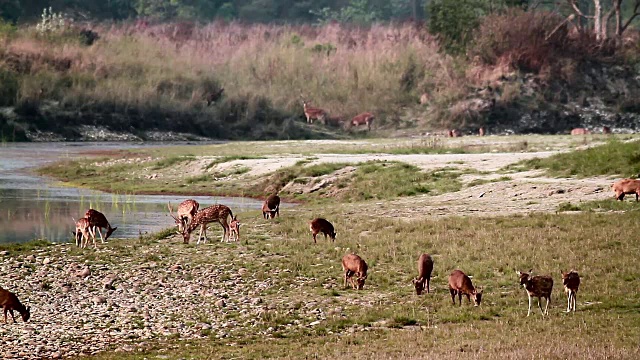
x: 189, y: 216
x: 314, y: 113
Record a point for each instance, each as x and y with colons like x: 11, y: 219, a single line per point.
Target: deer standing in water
x: 186, y: 211
x: 219, y: 213
x: 98, y: 220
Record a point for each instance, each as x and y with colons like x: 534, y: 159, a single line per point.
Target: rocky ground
x: 125, y: 295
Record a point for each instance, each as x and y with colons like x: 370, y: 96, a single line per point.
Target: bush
x: 9, y: 86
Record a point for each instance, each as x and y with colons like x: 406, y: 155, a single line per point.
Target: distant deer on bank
x: 98, y: 220
x: 186, y: 211
x: 313, y: 113
x: 271, y: 207
x: 353, y: 265
x: 9, y: 302
x: 580, y: 131
x: 365, y: 118
x: 460, y: 284
x: 219, y: 213
x: 571, y: 283
x: 425, y: 267
x: 320, y: 225
x: 539, y: 286
x: 214, y: 96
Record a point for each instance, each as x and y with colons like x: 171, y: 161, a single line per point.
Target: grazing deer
x: 9, y: 302
x: 539, y: 286
x: 425, y: 267
x: 313, y: 113
x: 580, y: 131
x: 571, y: 282
x: 460, y: 284
x: 98, y: 220
x: 218, y: 213
x: 353, y: 264
x: 84, y: 232
x: 320, y: 225
x: 365, y: 118
x: 626, y: 186
x: 234, y: 229
x: 271, y: 207
x: 186, y: 211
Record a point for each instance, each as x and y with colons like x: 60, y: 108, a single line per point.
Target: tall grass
x: 152, y: 70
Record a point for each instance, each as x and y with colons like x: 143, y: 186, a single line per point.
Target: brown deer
x: 234, y: 229
x: 626, y: 186
x: 425, y: 267
x: 580, y: 131
x: 214, y: 96
x: 313, y: 113
x: 460, y: 284
x: 186, y: 211
x: 365, y: 118
x: 98, y: 220
x: 571, y: 282
x: 9, y: 302
x: 539, y: 286
x: 271, y: 207
x: 353, y: 264
x: 481, y: 131
x: 84, y: 232
x: 606, y: 130
x: 320, y: 225
x: 218, y: 213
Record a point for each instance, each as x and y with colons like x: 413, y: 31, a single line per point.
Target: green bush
x: 9, y: 86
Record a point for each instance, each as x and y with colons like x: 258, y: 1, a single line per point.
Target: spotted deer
x: 313, y: 113
x: 9, y: 302
x: 460, y: 284
x: 580, y: 131
x: 539, y: 286
x: 626, y: 186
x: 571, y: 283
x: 219, y: 213
x: 365, y: 118
x: 98, y: 220
x: 353, y: 264
x: 186, y: 211
x: 425, y: 267
x: 234, y: 229
x: 271, y: 207
x: 84, y: 232
x: 320, y: 225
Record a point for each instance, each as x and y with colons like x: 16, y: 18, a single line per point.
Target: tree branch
x: 576, y: 9
x: 635, y: 13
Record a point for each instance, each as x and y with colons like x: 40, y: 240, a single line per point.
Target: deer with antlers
x: 202, y: 218
x: 98, y: 221
x: 185, y: 213
x: 313, y: 113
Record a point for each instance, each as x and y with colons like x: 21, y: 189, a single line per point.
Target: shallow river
x: 34, y: 207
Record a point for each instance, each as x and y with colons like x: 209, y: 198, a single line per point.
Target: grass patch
x: 477, y: 182
x: 612, y: 158
x: 600, y: 205
x: 25, y: 247
x: 171, y: 161
x: 225, y: 159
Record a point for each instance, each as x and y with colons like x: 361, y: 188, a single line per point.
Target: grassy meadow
x: 386, y: 319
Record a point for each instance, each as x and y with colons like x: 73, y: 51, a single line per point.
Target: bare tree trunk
x: 616, y: 6
x: 597, y: 18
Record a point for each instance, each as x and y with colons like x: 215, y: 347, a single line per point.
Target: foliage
x: 51, y: 22
x: 357, y: 12
x: 613, y: 158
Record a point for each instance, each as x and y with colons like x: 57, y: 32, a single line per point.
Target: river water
x: 35, y: 207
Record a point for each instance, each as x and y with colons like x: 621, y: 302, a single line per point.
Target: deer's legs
x: 529, y: 311
x: 99, y: 232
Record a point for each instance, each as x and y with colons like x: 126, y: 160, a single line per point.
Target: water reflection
x: 32, y: 207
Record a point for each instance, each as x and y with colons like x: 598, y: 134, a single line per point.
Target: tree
x: 603, y: 11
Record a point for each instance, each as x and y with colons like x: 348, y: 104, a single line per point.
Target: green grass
x: 225, y: 159
x: 601, y: 205
x: 601, y: 247
x: 612, y: 158
x: 25, y: 247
